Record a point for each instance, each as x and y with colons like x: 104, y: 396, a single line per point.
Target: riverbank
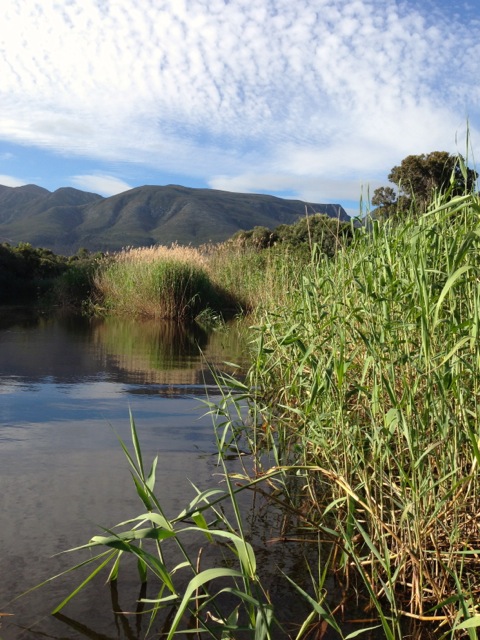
x: 365, y: 391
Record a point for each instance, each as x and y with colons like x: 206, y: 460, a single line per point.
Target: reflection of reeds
x: 166, y: 352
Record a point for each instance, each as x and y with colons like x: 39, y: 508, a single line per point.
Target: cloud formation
x: 100, y: 183
x: 11, y: 181
x: 272, y: 95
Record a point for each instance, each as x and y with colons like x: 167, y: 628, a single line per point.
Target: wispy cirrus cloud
x: 241, y: 93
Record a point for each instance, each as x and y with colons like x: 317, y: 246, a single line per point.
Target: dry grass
x: 157, y: 253
x: 243, y: 278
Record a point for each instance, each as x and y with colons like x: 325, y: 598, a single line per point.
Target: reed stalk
x: 368, y: 384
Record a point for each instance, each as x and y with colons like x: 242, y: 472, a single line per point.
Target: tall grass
x: 251, y: 275
x: 368, y: 389
x: 156, y: 282
x: 182, y: 282
x: 363, y: 404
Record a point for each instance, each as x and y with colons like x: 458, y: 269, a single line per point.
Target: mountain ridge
x: 68, y: 219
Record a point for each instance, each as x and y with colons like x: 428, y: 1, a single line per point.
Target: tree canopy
x: 418, y: 178
x: 320, y: 229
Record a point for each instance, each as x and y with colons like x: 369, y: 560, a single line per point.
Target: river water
x: 67, y: 386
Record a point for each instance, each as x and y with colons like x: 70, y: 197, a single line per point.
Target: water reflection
x: 130, y: 626
x: 66, y: 387
x: 71, y: 349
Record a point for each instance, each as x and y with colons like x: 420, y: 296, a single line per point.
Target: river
x: 67, y: 386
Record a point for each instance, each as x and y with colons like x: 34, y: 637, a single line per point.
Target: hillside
x: 67, y: 219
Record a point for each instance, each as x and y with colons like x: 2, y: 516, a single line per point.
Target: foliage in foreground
x: 367, y: 390
x: 219, y: 600
x: 364, y: 418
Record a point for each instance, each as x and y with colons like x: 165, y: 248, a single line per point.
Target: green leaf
x: 244, y: 549
x: 85, y: 582
x: 201, y: 523
x: 355, y: 634
x: 448, y: 285
x: 316, y: 606
x: 150, y: 482
x: 157, y: 518
x: 135, y: 534
x: 142, y: 494
x: 198, y: 581
x: 194, y: 505
x: 142, y: 570
x: 471, y: 623
x: 136, y: 444
x: 263, y: 622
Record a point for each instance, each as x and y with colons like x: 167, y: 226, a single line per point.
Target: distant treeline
x: 318, y: 229
x: 28, y: 274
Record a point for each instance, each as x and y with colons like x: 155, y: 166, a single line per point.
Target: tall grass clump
x: 366, y: 387
x: 182, y: 282
x: 163, y: 282
x: 250, y: 274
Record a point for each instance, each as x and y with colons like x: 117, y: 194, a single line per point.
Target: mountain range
x: 68, y: 219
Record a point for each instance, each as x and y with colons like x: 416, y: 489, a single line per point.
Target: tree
x: 385, y: 199
x: 419, y: 177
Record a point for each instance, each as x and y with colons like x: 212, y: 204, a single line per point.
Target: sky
x: 309, y: 99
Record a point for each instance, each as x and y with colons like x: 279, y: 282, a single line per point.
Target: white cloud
x: 286, y: 91
x: 11, y: 181
x: 307, y: 188
x: 100, y: 183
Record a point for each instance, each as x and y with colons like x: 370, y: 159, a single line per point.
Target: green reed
x: 184, y: 282
x: 167, y: 287
x: 218, y: 599
x: 367, y: 384
x: 361, y: 408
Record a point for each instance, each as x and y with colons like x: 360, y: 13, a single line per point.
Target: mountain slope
x: 68, y: 219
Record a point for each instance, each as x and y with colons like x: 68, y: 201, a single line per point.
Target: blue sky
x: 310, y: 99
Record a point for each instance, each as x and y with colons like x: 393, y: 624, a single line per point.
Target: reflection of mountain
x: 139, y: 353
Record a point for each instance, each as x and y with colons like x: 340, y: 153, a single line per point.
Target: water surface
x: 66, y: 389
